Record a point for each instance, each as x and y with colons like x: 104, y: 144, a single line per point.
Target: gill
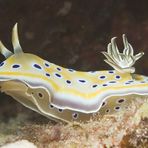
x: 122, y: 62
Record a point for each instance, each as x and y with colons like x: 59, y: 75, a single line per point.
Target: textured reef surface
x: 127, y: 129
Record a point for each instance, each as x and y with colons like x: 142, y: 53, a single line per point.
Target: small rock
x: 20, y: 144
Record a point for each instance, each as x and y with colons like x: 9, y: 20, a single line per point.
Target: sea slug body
x: 66, y: 94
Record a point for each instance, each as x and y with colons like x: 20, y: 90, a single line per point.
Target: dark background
x: 71, y: 33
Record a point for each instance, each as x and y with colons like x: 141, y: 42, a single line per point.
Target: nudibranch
x: 66, y: 94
